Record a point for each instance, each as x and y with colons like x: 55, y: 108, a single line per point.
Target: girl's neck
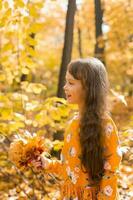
x: 80, y: 113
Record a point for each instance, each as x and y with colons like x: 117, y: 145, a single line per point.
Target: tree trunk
x: 67, y: 49
x: 99, y: 46
x: 80, y: 42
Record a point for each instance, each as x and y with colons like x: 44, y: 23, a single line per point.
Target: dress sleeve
x: 53, y: 166
x: 108, y: 185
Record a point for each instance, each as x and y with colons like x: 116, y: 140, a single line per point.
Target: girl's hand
x: 37, y: 164
x: 45, y: 161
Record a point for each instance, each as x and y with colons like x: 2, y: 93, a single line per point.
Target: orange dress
x: 75, y: 184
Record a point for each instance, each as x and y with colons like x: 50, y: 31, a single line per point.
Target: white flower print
x: 68, y: 137
x: 66, y: 161
x: 108, y: 190
x: 76, y: 198
x: 77, y: 169
x: 107, y: 165
x: 72, y: 152
x: 65, y: 198
x: 88, y: 187
x: 68, y: 171
x: 108, y: 129
x: 72, y: 175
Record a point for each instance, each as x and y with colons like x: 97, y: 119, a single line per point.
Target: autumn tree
x: 79, y: 33
x: 99, y: 46
x: 68, y: 42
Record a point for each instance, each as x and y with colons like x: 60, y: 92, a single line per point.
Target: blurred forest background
x: 37, y: 40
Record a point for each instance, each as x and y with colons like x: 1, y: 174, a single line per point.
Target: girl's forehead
x: 69, y: 76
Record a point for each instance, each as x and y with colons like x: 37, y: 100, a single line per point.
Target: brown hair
x: 94, y: 79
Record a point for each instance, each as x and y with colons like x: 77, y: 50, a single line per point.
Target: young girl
x: 90, y: 156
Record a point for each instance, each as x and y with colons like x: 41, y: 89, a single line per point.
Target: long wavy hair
x: 94, y: 79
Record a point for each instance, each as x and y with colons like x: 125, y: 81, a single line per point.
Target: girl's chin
x: 70, y: 101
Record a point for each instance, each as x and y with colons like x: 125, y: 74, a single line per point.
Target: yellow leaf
x: 0, y: 5
x: 28, y: 62
x: 28, y: 122
x: 17, y: 79
x: 43, y: 119
x: 2, y: 77
x: 26, y: 20
x: 35, y: 27
x: 35, y: 124
x: 32, y: 41
x: 58, y: 145
x: 6, y: 114
x: 13, y: 126
x: 8, y: 13
x: 4, y: 59
x: 31, y: 106
x: 19, y: 117
x: 19, y: 97
x: 36, y: 88
x: 3, y: 128
x: 24, y: 85
x: 2, y: 22
x: 31, y: 51
x: 55, y: 115
x: 33, y: 11
x: 7, y: 47
x: 40, y: 4
x: 19, y: 3
x: 25, y: 70
x: 2, y: 138
x: 6, y: 5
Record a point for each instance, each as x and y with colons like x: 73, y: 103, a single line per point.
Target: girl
x: 90, y: 156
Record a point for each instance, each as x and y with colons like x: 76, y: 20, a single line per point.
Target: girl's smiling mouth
x: 68, y: 95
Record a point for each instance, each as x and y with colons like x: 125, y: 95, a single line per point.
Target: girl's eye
x: 70, y: 83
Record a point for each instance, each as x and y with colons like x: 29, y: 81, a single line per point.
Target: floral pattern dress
x: 75, y: 184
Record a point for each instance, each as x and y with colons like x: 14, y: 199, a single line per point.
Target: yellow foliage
x: 4, y: 128
x: 29, y: 63
x: 15, y: 126
x: 2, y: 77
x: 35, y: 27
x: 36, y: 88
x: 0, y: 4
x: 32, y: 41
x: 25, y: 20
x: 58, y: 145
x: 6, y: 113
x: 31, y: 51
x: 18, y: 117
x: 25, y: 70
x: 19, y: 3
x: 33, y: 10
x: 6, y: 4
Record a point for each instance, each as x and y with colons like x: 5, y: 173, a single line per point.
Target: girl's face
x: 75, y: 93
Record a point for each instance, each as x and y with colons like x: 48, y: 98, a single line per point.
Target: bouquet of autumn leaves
x: 27, y: 148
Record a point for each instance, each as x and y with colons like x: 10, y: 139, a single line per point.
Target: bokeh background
x: 38, y: 38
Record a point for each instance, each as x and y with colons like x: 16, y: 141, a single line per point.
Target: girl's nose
x: 64, y: 87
